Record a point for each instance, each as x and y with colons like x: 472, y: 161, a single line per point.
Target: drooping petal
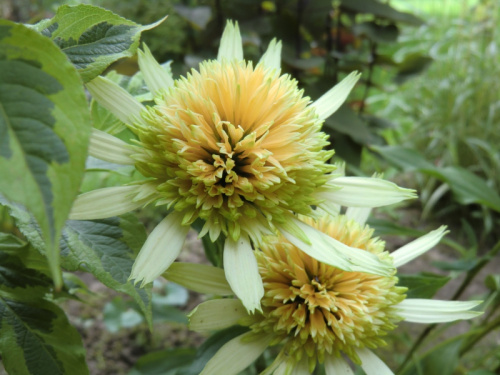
x: 333, y: 99
x: 301, y: 367
x: 160, y: 249
x: 272, y: 57
x: 419, y: 310
x: 337, y: 366
x: 237, y: 354
x: 358, y: 214
x: 116, y: 100
x: 242, y: 272
x: 371, y: 364
x: 106, y: 147
x: 330, y: 251
x: 230, y: 44
x: 216, y: 314
x: 156, y: 78
x: 365, y: 192
x: 107, y: 202
x: 199, y: 278
x: 417, y: 247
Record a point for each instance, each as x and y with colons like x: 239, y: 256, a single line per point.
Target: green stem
x: 371, y: 66
x: 490, y: 327
x: 471, y: 274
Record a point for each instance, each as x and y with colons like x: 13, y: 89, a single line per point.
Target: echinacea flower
x: 318, y: 313
x: 237, y: 146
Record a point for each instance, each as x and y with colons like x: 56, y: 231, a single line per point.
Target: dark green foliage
x: 35, y: 335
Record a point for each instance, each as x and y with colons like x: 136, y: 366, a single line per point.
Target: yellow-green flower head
x: 238, y: 146
x: 234, y: 145
x: 317, y: 312
x: 317, y: 309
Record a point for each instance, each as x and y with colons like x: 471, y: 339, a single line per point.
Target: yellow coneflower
x: 316, y: 312
x: 237, y: 146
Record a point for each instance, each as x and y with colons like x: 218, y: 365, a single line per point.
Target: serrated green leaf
x: 422, y: 285
x: 92, y: 37
x: 35, y: 335
x: 106, y: 248
x: 44, y: 131
x: 9, y: 242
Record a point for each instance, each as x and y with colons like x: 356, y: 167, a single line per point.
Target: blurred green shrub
x: 451, y: 113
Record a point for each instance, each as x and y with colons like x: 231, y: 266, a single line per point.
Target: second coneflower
x: 237, y: 146
x: 312, y: 311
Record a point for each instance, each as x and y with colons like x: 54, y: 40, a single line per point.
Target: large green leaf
x: 92, y: 38
x: 35, y: 335
x: 44, y: 130
x: 402, y: 157
x: 466, y: 186
x: 346, y: 121
x: 422, y: 285
x: 106, y: 248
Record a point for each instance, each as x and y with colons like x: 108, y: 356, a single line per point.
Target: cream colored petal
x: 358, y: 214
x: 418, y: 247
x: 426, y: 311
x: 116, y: 100
x: 106, y: 147
x: 371, y: 364
x: 156, y: 78
x: 333, y: 99
x: 278, y: 366
x: 272, y: 57
x: 365, y: 192
x: 216, y: 314
x: 330, y: 251
x: 237, y: 354
x: 199, y: 277
x: 106, y: 202
x: 160, y: 249
x: 230, y: 44
x: 301, y: 367
x: 242, y: 272
x: 336, y: 366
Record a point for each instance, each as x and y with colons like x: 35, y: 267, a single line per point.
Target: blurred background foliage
x: 322, y: 41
